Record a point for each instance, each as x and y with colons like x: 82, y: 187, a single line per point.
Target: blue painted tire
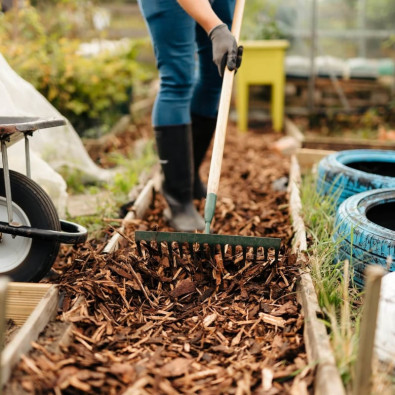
x: 365, y: 230
x: 346, y: 173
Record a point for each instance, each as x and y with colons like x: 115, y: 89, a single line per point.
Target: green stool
x: 263, y: 64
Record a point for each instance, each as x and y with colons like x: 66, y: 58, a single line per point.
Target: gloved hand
x: 225, y: 50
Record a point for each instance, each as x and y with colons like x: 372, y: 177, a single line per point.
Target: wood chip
x: 176, y: 367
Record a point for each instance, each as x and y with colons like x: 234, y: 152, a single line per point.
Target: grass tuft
x: 339, y: 299
x: 113, y: 194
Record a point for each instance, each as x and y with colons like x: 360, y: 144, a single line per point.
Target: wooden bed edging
x: 137, y: 211
x: 308, y: 157
x: 319, y: 352
x: 30, y: 330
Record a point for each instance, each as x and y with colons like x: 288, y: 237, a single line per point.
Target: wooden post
x: 3, y: 297
x: 368, y: 329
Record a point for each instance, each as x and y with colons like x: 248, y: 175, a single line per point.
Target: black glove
x: 225, y: 50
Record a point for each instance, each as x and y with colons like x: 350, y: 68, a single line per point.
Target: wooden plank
x: 137, y: 211
x: 41, y: 288
x: 341, y: 143
x: 3, y: 296
x: 22, y: 299
x: 21, y: 343
x: 308, y: 157
x: 319, y: 353
x: 299, y: 240
x: 292, y: 130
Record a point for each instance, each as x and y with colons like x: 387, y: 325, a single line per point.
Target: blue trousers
x: 188, y: 83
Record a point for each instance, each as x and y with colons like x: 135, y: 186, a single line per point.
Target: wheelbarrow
x: 30, y: 229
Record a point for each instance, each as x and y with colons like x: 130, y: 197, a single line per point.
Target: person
x: 185, y: 109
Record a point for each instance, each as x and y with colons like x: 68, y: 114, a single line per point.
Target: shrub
x: 89, y: 91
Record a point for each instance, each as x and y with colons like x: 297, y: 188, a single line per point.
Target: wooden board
x: 137, y: 211
x: 34, y: 315
x: 341, y: 143
x: 22, y: 299
x: 308, y: 157
x: 292, y: 130
x: 318, y: 347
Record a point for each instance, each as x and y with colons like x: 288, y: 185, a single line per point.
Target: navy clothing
x: 184, y: 86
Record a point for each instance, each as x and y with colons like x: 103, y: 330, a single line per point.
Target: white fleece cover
x: 51, y: 148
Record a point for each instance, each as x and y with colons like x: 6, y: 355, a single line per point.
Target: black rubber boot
x: 202, y: 132
x: 174, y: 145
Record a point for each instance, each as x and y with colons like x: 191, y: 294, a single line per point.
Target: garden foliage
x: 43, y: 49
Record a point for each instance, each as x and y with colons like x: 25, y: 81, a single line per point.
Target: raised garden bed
x: 374, y: 129
x: 29, y: 308
x: 195, y: 324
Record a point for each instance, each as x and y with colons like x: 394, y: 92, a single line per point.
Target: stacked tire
x: 362, y: 184
x: 346, y: 173
x: 365, y: 231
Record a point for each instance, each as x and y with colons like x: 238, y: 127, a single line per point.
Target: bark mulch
x: 189, y: 325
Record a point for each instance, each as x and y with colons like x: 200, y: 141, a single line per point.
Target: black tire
x: 346, y: 173
x: 365, y: 230
x: 33, y: 204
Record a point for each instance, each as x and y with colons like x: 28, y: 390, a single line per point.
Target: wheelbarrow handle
x: 71, y: 232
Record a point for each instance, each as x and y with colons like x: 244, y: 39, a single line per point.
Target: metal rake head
x: 195, y: 242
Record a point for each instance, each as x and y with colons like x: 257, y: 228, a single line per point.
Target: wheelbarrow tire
x: 40, y: 211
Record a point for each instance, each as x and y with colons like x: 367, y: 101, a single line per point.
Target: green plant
x: 339, y: 299
x: 114, y: 194
x: 260, y: 21
x: 131, y: 167
x: 92, y: 92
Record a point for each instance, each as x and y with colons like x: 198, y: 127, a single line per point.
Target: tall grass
x: 339, y: 299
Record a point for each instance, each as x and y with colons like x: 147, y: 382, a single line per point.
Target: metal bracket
x: 27, y: 154
x: 7, y: 183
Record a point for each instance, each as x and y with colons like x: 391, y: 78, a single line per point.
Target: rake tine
x: 255, y: 252
x: 170, y: 250
x: 222, y: 251
x: 207, y: 250
x: 152, y: 248
x: 276, y: 252
x: 139, y: 248
x: 212, y: 250
x: 180, y: 249
x: 192, y: 252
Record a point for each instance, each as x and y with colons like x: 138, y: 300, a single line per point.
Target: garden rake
x: 202, y: 240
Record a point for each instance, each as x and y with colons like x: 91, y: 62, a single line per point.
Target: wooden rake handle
x: 220, y: 130
x: 223, y: 110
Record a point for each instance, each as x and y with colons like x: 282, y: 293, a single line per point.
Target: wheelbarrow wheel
x: 24, y: 258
